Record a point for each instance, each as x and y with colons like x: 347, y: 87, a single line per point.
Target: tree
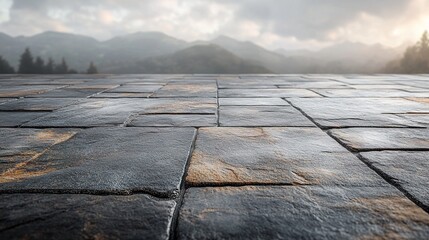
x: 49, y: 67
x: 39, y: 66
x: 62, y: 68
x: 26, y: 64
x: 416, y: 58
x: 5, y: 67
x: 92, y: 69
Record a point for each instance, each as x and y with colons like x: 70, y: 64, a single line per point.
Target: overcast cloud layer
x: 271, y: 23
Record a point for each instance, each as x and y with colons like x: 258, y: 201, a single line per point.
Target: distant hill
x: 210, y: 59
x: 151, y: 48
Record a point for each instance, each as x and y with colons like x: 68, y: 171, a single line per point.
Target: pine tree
x: 49, y: 68
x: 5, y: 67
x: 416, y: 58
x: 62, y: 68
x: 26, y: 64
x: 39, y: 66
x: 92, y: 69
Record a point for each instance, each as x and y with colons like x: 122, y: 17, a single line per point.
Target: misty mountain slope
x: 210, y: 59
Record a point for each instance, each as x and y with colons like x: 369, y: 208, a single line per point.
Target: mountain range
x: 156, y: 52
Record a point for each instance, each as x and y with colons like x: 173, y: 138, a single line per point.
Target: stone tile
x: 5, y: 100
x: 262, y: 116
x: 422, y: 119
x: 367, y: 139
x: 295, y: 156
x: 292, y: 212
x: 16, y: 119
x: 22, y: 91
x: 266, y: 93
x: 121, y: 95
x: 360, y: 112
x: 136, y: 88
x: 252, y: 102
x: 181, y: 106
x: 187, y: 90
x: 20, y: 145
x: 369, y: 93
x: 66, y: 216
x: 314, y: 85
x: 407, y: 169
x: 112, y: 160
x: 68, y: 93
x: 37, y: 104
x: 174, y: 120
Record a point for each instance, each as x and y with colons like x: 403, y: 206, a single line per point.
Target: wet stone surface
x: 214, y: 156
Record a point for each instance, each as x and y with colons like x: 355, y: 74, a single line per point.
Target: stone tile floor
x: 214, y: 157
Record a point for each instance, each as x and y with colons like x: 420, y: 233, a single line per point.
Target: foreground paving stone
x: 66, y: 216
x: 23, y: 90
x: 21, y: 145
x: 295, y: 156
x: 266, y: 93
x: 262, y: 116
x: 111, y: 160
x: 367, y: 139
x: 181, y: 106
x: 308, y: 212
x: 372, y: 93
x: 121, y: 95
x: 37, y: 104
x: 68, y: 93
x: 16, y: 119
x: 136, y: 88
x: 252, y: 102
x: 174, y: 120
x: 407, y: 169
x: 190, y: 89
x: 360, y: 112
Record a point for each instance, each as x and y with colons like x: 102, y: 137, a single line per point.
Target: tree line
x: 30, y: 65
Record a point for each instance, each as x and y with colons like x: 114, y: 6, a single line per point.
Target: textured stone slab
x: 299, y: 156
x: 187, y: 90
x: 266, y: 93
x: 121, y: 95
x: 174, y: 120
x: 366, y: 139
x: 369, y: 93
x: 181, y: 106
x: 300, y: 213
x: 136, y: 88
x: 252, y: 102
x: 262, y: 116
x: 37, y: 104
x: 19, y: 145
x: 16, y: 119
x: 22, y: 91
x: 314, y: 85
x: 109, y: 160
x: 360, y: 112
x: 422, y: 119
x: 407, y: 169
x: 65, y: 216
x: 68, y: 93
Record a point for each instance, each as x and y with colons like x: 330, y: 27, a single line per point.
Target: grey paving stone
x: 181, y: 106
x: 366, y: 139
x: 407, y: 169
x: 266, y: 93
x: 300, y: 156
x: 121, y: 95
x: 309, y: 212
x: 22, y: 91
x: 66, y: 216
x: 136, y: 88
x: 314, y: 85
x: 68, y: 93
x: 174, y: 120
x: 422, y: 119
x: 109, y: 160
x: 37, y: 104
x: 262, y: 116
x: 5, y: 100
x: 360, y: 112
x: 187, y: 90
x: 252, y: 102
x: 15, y: 119
x: 369, y: 93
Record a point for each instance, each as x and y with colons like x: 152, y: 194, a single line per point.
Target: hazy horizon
x: 292, y: 24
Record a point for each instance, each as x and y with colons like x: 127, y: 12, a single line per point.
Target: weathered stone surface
x: 262, y: 116
x: 181, y: 106
x: 301, y: 156
x: 407, y: 169
x: 292, y: 212
x: 360, y: 112
x: 22, y: 91
x: 314, y: 85
x: 15, y: 119
x: 21, y: 145
x: 136, y: 88
x: 266, y: 93
x: 66, y: 216
x: 69, y: 93
x: 109, y: 160
x: 369, y: 93
x: 366, y: 139
x: 37, y: 104
x: 121, y: 95
x: 174, y: 120
x: 252, y: 102
x: 187, y: 90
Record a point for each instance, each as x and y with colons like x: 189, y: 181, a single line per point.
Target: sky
x: 289, y: 24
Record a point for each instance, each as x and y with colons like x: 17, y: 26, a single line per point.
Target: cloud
x: 273, y: 23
